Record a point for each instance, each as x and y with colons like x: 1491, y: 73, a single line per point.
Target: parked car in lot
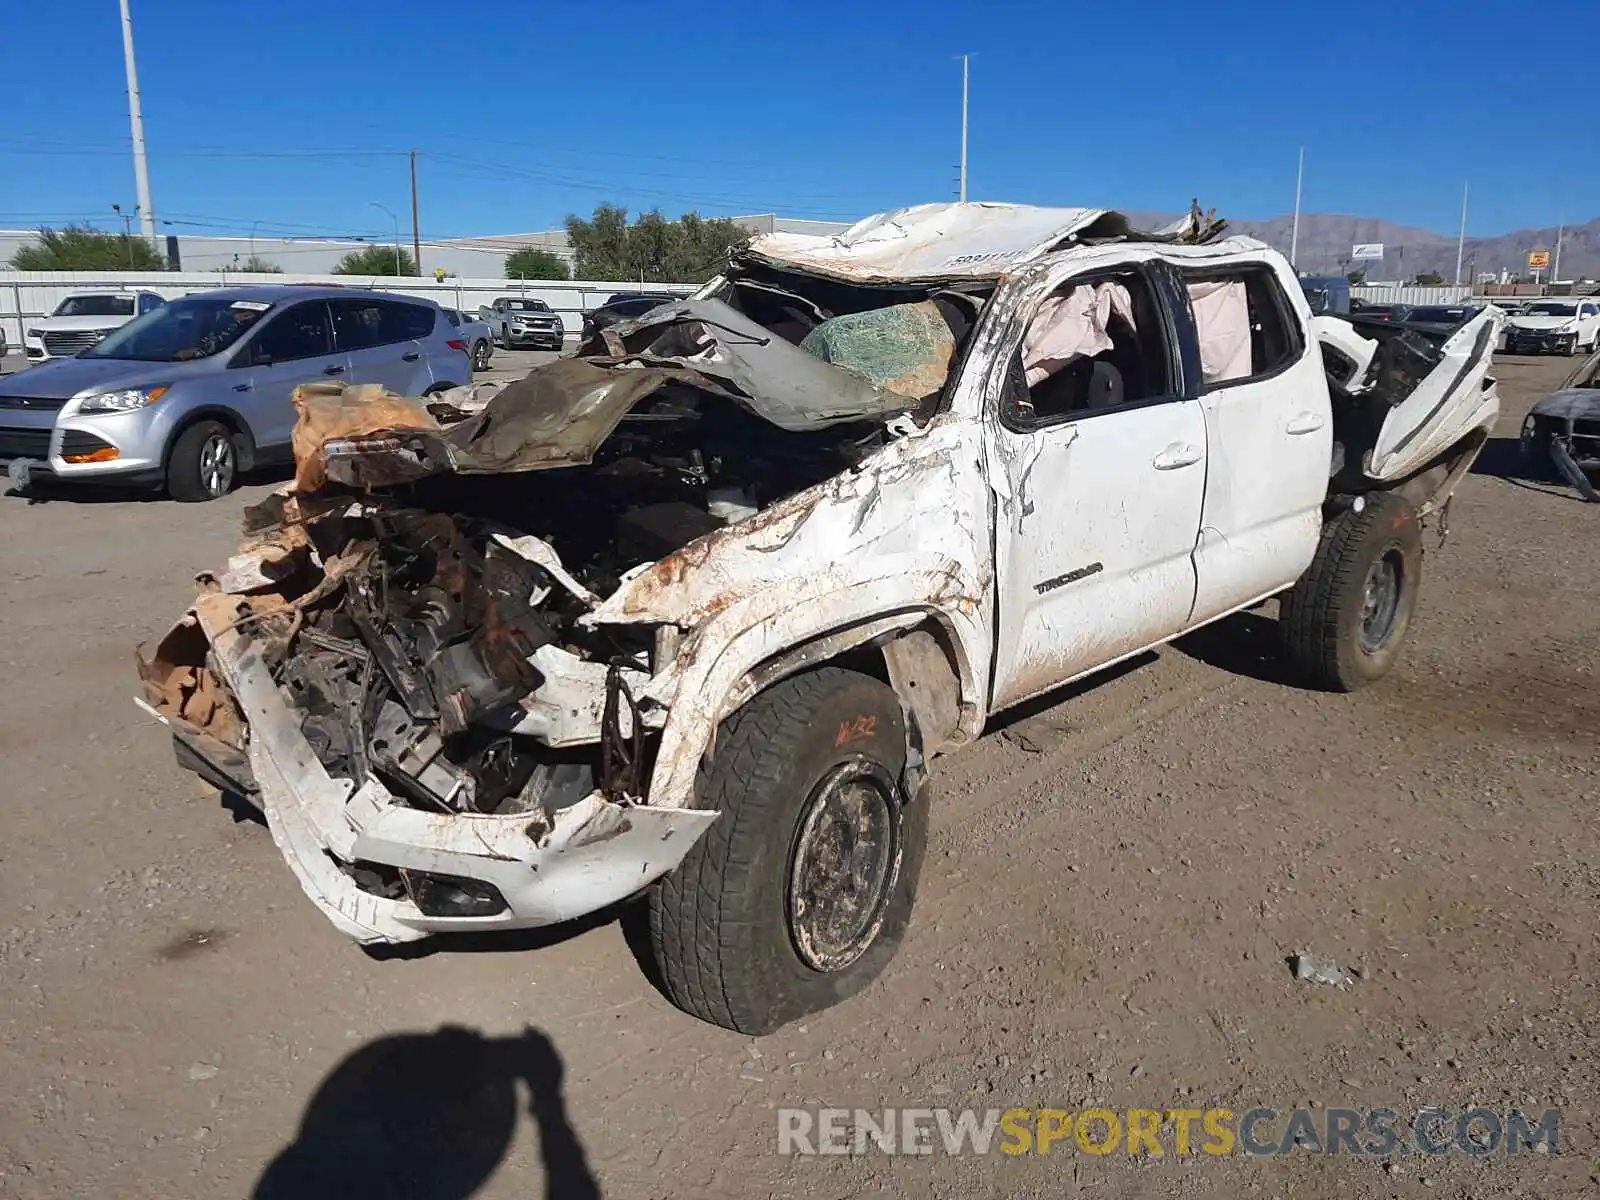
x: 81, y: 320
x: 622, y: 306
x: 475, y: 332
x: 1435, y: 318
x: 693, y: 620
x: 519, y: 321
x: 197, y: 390
x: 1555, y: 327
x: 1563, y: 429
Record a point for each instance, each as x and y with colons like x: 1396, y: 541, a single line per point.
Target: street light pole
x: 1461, y: 242
x: 141, y: 168
x: 964, y: 59
x: 396, y: 220
x: 1294, y: 230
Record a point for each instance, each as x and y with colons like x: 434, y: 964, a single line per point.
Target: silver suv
x: 191, y: 394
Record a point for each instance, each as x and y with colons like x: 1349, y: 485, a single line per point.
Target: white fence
x: 27, y: 295
x: 1410, y: 293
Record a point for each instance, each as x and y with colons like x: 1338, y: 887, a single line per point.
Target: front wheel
x: 798, y: 895
x: 1344, y: 621
x: 203, y: 463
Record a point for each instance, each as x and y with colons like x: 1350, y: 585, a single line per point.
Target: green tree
x: 1430, y: 279
x: 533, y: 263
x: 257, y: 265
x: 1356, y: 277
x: 653, y: 249
x: 80, y: 248
x: 377, y: 260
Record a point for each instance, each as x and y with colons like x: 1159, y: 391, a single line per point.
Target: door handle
x: 1306, y: 422
x: 412, y: 357
x: 1179, y: 454
x: 243, y: 387
x: 333, y: 369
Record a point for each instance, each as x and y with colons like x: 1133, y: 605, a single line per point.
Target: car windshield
x: 528, y: 305
x: 1552, y: 310
x: 95, y: 306
x: 193, y: 327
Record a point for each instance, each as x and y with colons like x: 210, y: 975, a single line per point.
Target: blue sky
x: 292, y: 116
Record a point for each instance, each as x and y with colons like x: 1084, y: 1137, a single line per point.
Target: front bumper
x: 1540, y: 343
x: 537, y: 337
x: 115, y: 447
x: 548, y: 869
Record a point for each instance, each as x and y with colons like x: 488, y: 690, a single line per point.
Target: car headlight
x: 36, y: 333
x: 121, y: 400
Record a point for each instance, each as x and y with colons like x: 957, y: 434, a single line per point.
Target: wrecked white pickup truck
x: 689, y: 613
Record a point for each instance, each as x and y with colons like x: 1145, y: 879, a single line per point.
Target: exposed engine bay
x: 420, y: 607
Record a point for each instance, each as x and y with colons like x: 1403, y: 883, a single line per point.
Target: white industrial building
x: 462, y: 258
x: 474, y: 271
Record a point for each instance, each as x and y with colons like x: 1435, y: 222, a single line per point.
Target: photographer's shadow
x: 430, y: 1116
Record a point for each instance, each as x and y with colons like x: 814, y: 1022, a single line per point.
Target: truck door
x: 1099, y: 456
x: 1269, y: 433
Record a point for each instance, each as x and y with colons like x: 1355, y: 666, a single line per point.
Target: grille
x: 75, y: 442
x: 73, y: 342
x: 24, y: 443
x: 33, y: 403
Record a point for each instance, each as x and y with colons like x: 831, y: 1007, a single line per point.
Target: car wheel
x: 1344, y: 622
x: 798, y: 895
x: 203, y: 463
x: 480, y: 355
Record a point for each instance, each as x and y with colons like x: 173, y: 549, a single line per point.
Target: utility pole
x: 416, y: 220
x: 1461, y: 242
x: 964, y: 59
x: 141, y: 168
x: 1555, y: 263
x: 1294, y: 229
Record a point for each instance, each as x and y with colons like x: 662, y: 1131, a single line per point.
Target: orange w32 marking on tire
x: 856, y: 728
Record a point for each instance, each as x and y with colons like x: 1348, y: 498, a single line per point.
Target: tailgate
x: 1457, y: 396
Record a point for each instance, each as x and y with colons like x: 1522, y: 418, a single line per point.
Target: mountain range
x: 1326, y: 240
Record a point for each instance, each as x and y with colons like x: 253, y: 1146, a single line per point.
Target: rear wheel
x: 203, y: 463
x: 1344, y: 622
x: 480, y: 355
x: 798, y: 895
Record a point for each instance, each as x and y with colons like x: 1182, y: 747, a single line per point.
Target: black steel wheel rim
x: 1380, y: 602
x: 844, y: 864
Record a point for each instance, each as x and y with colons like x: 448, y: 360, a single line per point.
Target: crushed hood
x: 561, y: 412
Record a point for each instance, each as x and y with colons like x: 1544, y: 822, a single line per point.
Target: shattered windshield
x: 95, y: 306
x: 191, y: 327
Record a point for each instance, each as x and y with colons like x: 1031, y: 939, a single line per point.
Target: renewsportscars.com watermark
x: 1261, y: 1131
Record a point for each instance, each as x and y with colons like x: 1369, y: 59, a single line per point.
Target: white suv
x: 1562, y: 325
x: 81, y: 320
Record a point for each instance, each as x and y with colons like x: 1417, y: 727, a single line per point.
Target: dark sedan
x: 1437, y: 318
x: 623, y: 306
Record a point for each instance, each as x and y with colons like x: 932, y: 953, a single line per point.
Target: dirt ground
x: 1115, y: 880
